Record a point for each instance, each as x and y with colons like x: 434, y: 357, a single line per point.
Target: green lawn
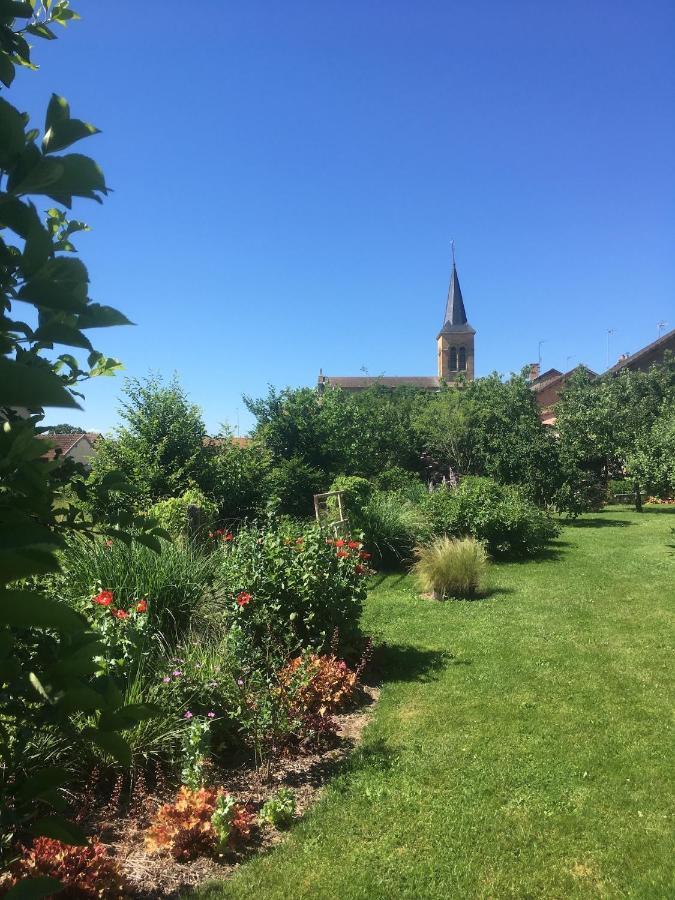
x: 522, y: 746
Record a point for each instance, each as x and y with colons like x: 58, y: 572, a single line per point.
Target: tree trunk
x: 638, y: 496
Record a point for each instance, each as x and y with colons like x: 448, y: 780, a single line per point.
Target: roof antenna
x: 661, y: 326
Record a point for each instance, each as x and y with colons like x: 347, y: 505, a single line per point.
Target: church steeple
x: 456, y: 337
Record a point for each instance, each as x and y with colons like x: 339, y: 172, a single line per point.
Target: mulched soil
x: 160, y: 876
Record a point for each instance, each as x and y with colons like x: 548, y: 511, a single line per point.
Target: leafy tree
x: 652, y: 459
x: 491, y: 427
x: 603, y: 423
x: 160, y: 448
x: 63, y: 428
x: 46, y: 649
x: 238, y: 477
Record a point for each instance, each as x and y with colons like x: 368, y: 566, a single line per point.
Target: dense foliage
x: 47, y: 650
x: 499, y: 515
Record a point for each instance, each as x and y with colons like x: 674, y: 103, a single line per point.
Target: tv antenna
x: 610, y: 332
x: 544, y: 341
x: 661, y: 326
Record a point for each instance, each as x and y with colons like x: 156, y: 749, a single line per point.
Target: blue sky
x: 288, y: 177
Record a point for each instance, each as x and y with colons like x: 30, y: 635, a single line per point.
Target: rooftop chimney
x: 534, y: 371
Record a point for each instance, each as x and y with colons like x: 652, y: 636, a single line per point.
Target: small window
x: 462, y: 358
x: 453, y: 359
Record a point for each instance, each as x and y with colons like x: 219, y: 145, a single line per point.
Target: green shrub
x: 279, y: 810
x: 392, y: 526
x: 173, y: 581
x: 498, y: 515
x: 173, y: 514
x: 292, y: 585
x: 401, y: 481
x: 294, y: 483
x: 451, y: 567
x: 356, y: 493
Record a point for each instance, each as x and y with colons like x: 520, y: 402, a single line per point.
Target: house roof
x: 360, y: 382
x: 64, y: 443
x: 553, y: 375
x: 455, y: 315
x: 665, y: 342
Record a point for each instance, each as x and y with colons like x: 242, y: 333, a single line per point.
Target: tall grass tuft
x: 451, y: 567
x: 392, y: 526
x: 175, y: 582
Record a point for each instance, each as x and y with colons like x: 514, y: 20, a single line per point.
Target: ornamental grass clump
x: 451, y: 567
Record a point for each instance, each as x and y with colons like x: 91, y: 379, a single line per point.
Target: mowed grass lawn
x: 522, y: 745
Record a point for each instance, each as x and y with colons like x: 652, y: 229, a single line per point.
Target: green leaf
x: 41, y: 782
x: 32, y: 387
x: 150, y: 541
x: 113, y: 744
x: 80, y: 177
x: 63, y: 134
x: 60, y: 830
x: 28, y: 535
x: 33, y: 173
x: 58, y: 333
x: 7, y: 70
x: 128, y: 716
x: 23, y: 563
x: 37, y: 249
x: 58, y: 111
x: 34, y: 889
x: 97, y: 316
x: 12, y: 136
x: 114, y: 481
x: 28, y: 610
x: 16, y: 9
x: 19, y: 215
x: 41, y: 31
x: 61, y: 284
x: 80, y: 699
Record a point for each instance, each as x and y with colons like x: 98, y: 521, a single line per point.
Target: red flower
x: 228, y: 537
x: 364, y: 555
x: 340, y: 543
x: 108, y: 544
x: 105, y: 598
x: 359, y: 569
x: 342, y: 553
x: 142, y: 606
x: 243, y: 598
x: 354, y: 545
x: 120, y: 613
x: 299, y: 540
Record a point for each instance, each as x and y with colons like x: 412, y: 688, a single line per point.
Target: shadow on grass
x: 662, y: 510
x: 598, y: 522
x: 404, y: 662
x: 554, y: 551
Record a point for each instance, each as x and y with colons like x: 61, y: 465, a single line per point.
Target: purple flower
x: 211, y: 715
x: 187, y: 715
x: 166, y: 679
x: 176, y: 673
x: 240, y: 682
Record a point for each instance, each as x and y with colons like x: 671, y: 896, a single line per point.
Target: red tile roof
x: 64, y: 443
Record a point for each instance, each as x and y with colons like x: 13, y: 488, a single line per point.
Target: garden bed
x: 158, y: 875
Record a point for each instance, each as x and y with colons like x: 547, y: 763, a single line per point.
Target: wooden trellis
x: 330, y: 511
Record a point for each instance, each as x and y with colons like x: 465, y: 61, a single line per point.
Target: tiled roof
x: 64, y: 443
x: 237, y: 441
x: 665, y: 342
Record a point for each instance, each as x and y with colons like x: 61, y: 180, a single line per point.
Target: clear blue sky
x: 288, y: 177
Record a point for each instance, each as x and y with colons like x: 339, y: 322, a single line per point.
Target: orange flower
x: 142, y: 606
x: 120, y: 613
x: 359, y: 569
x: 105, y: 598
x: 354, y: 545
x: 243, y: 598
x: 339, y: 543
x: 364, y: 555
x: 228, y: 537
x: 342, y: 553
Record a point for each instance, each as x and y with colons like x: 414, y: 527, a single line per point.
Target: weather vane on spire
x: 452, y: 247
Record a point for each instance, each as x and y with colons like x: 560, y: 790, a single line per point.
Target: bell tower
x: 456, y: 337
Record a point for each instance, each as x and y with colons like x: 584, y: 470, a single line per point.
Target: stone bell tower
x: 456, y: 337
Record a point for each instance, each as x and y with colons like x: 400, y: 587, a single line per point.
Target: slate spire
x: 455, y: 314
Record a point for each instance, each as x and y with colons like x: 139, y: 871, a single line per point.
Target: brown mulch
x: 160, y: 876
